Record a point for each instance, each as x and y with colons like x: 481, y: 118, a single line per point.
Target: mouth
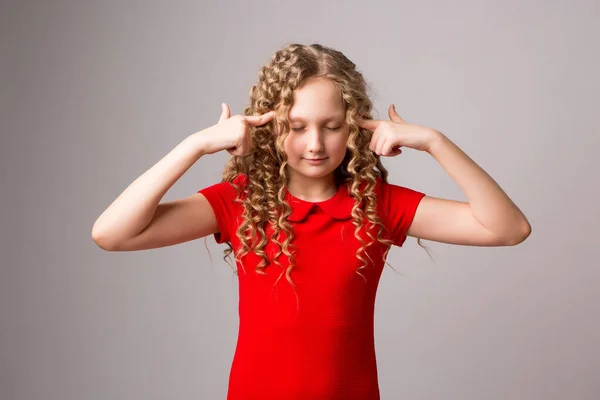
x: 315, y: 161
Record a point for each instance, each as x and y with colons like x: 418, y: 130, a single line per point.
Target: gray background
x: 95, y: 93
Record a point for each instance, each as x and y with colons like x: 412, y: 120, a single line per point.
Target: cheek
x: 290, y: 147
x: 338, y: 145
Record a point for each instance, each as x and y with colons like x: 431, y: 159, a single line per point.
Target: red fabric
x: 321, y: 344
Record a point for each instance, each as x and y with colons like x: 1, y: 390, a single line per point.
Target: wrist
x: 436, y: 139
x: 198, y: 143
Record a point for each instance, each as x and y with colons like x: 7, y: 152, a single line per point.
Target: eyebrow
x: 294, y: 119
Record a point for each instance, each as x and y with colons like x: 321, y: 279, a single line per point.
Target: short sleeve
x: 221, y: 198
x: 398, y: 207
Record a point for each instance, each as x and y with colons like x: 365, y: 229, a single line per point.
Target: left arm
x: 490, y: 218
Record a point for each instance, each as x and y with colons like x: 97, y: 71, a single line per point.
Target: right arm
x: 136, y: 221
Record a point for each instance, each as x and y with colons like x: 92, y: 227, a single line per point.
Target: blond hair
x: 263, y: 197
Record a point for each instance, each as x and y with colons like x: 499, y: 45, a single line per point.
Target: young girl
x: 305, y: 197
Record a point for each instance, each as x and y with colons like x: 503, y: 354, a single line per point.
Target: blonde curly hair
x: 267, y: 179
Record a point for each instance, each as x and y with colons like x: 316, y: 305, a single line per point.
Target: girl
x: 306, y: 197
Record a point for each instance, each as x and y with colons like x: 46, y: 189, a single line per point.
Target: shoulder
x: 397, y: 206
x: 390, y: 192
x: 396, y: 201
x: 239, y: 180
x: 225, y: 192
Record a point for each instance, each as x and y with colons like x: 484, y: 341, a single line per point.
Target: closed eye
x: 332, y: 129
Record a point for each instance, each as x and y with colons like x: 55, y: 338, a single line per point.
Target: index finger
x: 260, y: 119
x: 369, y: 124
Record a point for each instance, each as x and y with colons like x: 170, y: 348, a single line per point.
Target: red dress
x: 320, y: 345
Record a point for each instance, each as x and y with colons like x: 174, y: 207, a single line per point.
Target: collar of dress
x: 338, y: 207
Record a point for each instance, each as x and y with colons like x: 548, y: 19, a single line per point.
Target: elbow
x: 101, y: 241
x: 520, y: 236
x: 101, y: 238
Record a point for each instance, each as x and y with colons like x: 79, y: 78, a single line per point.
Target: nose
x: 315, y: 141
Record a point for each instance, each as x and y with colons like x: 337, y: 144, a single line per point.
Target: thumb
x: 394, y: 115
x: 225, y: 112
x: 257, y: 120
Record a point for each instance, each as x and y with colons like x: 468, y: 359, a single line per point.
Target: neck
x: 312, y: 189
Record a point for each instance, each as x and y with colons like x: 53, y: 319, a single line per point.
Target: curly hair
x: 263, y: 197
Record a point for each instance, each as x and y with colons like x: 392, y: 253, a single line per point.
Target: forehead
x: 317, y: 118
x: 318, y: 100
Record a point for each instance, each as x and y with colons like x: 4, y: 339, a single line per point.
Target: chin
x: 313, y: 171
x: 316, y: 174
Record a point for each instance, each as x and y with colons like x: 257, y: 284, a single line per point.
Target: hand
x: 232, y: 134
x: 389, y: 136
